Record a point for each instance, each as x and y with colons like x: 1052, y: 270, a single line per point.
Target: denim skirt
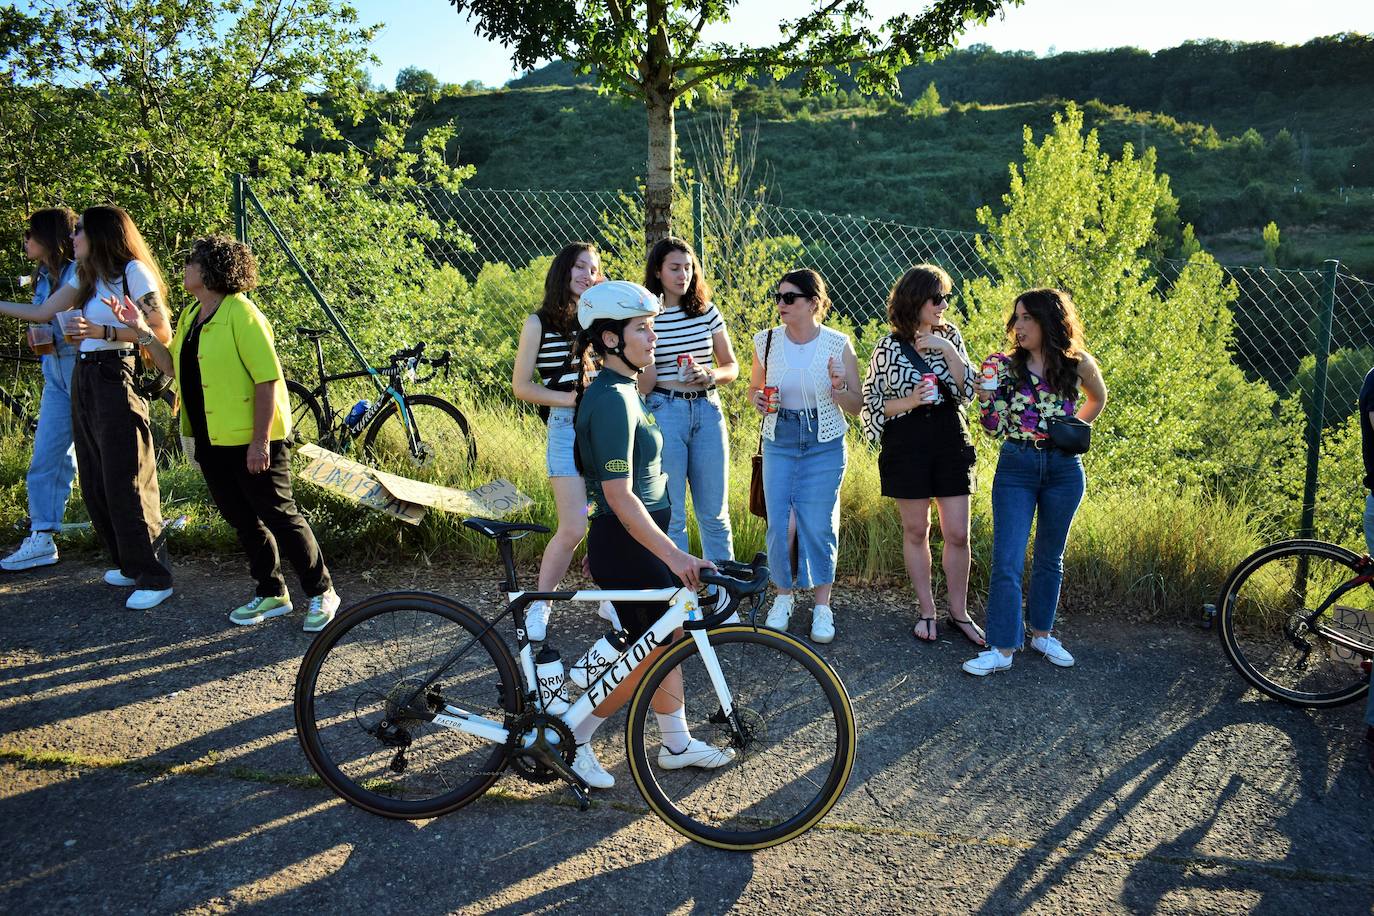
x: 801, y: 480
x: 559, y: 454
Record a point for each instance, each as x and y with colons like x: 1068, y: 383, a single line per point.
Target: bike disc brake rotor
x: 525, y: 765
x: 423, y: 456
x: 753, y: 729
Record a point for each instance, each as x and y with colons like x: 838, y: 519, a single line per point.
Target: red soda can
x: 770, y: 398
x: 684, y: 360
x: 933, y: 380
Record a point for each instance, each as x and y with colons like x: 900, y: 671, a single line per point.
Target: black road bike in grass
x: 407, y: 432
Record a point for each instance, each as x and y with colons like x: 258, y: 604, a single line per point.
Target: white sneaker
x: 606, y: 611
x: 822, y: 624
x: 38, y: 549
x: 117, y: 578
x: 537, y: 620
x: 780, y: 613
x: 1052, y: 649
x: 695, y: 754
x: 144, y: 598
x: 320, y: 611
x: 590, y: 769
x: 987, y: 662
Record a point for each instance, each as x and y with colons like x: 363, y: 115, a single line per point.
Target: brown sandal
x: 916, y: 631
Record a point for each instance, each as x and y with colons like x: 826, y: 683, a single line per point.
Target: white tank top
x: 794, y: 387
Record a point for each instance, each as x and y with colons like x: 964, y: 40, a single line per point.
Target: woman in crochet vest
x: 812, y: 375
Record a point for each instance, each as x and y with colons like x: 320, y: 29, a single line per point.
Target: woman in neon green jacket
x: 234, y: 409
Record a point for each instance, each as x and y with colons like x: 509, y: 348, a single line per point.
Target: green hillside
x: 1247, y: 133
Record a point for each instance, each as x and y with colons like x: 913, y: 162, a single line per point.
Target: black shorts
x: 927, y: 453
x: 617, y: 560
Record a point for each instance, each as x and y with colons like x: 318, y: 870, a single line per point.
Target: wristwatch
x: 145, y: 339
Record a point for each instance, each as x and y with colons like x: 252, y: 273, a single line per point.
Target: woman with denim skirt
x: 545, y: 373
x: 805, y: 377
x: 1048, y: 374
x: 694, y: 357
x: 48, y: 243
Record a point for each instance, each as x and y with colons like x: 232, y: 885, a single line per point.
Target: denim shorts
x: 559, y: 455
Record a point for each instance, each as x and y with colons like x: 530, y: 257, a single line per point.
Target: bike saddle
x: 312, y: 333
x: 494, y: 529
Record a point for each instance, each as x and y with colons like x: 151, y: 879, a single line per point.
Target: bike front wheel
x: 435, y: 444
x: 790, y: 748
x: 1278, y: 611
x: 358, y: 731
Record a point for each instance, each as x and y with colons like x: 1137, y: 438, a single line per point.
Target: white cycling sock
x: 672, y: 726
x: 586, y: 728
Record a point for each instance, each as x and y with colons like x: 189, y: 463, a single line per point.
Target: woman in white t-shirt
x: 692, y: 359
x: 114, y: 442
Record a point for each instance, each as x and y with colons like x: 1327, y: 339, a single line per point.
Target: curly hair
x: 226, y: 265
x: 909, y: 295
x: 1061, y: 335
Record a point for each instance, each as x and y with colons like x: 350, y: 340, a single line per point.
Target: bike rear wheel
x: 1273, y: 609
x: 307, y: 419
x: 362, y: 668
x: 444, y: 449
x: 797, y: 752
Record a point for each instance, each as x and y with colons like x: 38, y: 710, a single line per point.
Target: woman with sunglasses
x: 114, y: 442
x: 694, y: 357
x: 48, y: 244
x: 811, y: 377
x: 919, y: 379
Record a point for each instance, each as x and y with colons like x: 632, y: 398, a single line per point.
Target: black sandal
x: 963, y: 626
x: 915, y: 632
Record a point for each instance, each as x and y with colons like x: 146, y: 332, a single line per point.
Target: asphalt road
x: 148, y: 764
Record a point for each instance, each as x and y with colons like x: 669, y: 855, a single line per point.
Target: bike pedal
x: 584, y: 800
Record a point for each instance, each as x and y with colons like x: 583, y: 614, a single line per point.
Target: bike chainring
x: 525, y: 765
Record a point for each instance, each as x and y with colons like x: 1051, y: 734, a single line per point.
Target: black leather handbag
x: 1070, y: 434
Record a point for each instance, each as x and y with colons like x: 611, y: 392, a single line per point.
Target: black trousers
x: 618, y: 561
x: 117, y: 470
x: 262, y: 511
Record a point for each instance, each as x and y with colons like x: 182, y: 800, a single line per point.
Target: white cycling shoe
x: 590, y: 769
x: 696, y: 754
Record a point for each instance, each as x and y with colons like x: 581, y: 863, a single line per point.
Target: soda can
x: 770, y: 398
x: 930, y: 378
x: 684, y: 361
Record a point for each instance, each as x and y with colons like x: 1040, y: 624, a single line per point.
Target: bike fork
x: 726, y: 714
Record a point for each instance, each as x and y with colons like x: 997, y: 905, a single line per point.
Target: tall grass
x: 1140, y: 551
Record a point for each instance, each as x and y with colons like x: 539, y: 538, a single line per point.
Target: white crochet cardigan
x: 830, y: 422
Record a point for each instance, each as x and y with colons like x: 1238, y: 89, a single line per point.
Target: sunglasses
x: 789, y: 298
x: 940, y: 299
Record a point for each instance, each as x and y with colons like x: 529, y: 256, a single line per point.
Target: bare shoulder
x: 1087, y: 364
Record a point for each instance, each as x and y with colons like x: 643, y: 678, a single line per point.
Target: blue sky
x: 430, y: 35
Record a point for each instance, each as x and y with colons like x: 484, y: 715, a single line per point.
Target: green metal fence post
x: 1315, y: 418
x: 240, y: 211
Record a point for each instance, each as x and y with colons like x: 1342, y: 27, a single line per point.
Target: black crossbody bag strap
x: 923, y: 367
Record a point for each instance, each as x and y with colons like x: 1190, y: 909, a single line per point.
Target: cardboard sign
x: 402, y: 497
x: 1358, y: 625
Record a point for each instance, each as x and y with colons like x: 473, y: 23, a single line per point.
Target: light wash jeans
x: 1369, y: 547
x: 696, y: 454
x: 53, y: 465
x: 802, y: 476
x: 1044, y: 486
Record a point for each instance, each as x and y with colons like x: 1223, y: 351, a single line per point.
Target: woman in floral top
x: 1048, y: 374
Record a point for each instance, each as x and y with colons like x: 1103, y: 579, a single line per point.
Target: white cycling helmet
x: 617, y: 300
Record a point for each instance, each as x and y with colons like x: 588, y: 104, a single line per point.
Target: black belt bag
x: 1070, y: 434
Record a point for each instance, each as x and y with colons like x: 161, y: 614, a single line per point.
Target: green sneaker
x: 322, y: 608
x: 260, y: 609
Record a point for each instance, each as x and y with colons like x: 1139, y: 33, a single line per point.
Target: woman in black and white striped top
x: 545, y: 374
x: 692, y: 358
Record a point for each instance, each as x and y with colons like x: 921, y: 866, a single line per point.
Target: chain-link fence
x: 462, y: 269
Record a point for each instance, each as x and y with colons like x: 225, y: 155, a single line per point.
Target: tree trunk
x: 658, y: 184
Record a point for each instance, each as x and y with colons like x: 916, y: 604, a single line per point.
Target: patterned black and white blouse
x: 890, y: 375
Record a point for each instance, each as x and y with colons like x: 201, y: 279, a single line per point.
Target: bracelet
x: 105, y: 332
x: 145, y: 339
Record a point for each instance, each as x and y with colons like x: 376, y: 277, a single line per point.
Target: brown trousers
x: 117, y: 470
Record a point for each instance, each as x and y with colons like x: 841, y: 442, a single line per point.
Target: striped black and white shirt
x: 554, y: 362
x: 680, y: 333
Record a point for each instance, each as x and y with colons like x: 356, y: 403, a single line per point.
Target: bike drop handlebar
x: 414, y: 356
x: 738, y: 580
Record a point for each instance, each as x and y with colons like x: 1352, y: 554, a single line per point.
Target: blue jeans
x: 53, y: 465
x: 1044, y: 486
x: 696, y: 454
x: 1369, y: 548
x: 801, y: 478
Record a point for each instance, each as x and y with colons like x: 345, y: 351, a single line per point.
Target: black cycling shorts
x: 618, y: 561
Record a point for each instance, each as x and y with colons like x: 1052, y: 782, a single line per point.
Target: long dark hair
x: 558, y: 312
x: 112, y: 241
x: 52, y: 228
x: 909, y: 294
x: 1061, y: 338
x: 698, y: 295
x: 591, y: 340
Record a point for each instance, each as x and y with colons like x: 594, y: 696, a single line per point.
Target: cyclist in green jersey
x: 619, y: 452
